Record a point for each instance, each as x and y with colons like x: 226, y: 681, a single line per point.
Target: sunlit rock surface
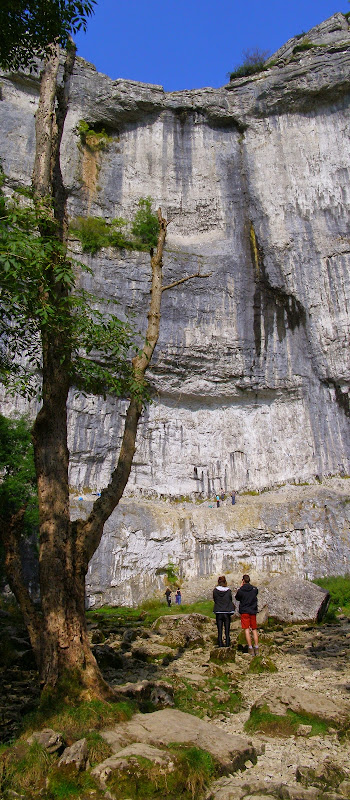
x: 251, y: 372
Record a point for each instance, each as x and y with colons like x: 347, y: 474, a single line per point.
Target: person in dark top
x: 248, y: 607
x: 168, y: 596
x: 223, y: 609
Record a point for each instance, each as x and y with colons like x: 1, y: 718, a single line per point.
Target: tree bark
x: 64, y: 646
x: 44, y: 119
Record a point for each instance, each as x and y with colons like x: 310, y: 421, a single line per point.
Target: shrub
x: 172, y: 573
x: 254, y: 61
x: 145, y: 226
x: 18, y: 480
x: 92, y: 232
x: 338, y: 587
x: 96, y: 232
x: 92, y: 138
x: 304, y: 45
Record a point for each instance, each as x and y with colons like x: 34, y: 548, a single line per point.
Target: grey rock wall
x: 251, y: 372
x: 296, y: 532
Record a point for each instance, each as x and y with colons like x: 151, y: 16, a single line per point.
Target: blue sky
x: 188, y: 44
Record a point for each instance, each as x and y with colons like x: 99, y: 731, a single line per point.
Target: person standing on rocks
x: 217, y: 498
x: 233, y: 497
x: 223, y: 610
x: 168, y: 596
x: 178, y: 596
x: 248, y: 607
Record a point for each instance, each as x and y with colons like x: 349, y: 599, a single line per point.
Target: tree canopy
x: 18, y: 479
x: 29, y: 27
x: 34, y: 262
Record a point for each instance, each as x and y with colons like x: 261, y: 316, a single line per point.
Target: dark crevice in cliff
x: 342, y: 397
x: 272, y: 305
x: 218, y: 121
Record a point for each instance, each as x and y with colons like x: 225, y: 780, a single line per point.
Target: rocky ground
x: 175, y: 661
x: 307, y: 658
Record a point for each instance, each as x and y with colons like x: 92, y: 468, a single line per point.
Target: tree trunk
x: 64, y: 646
x: 66, y: 548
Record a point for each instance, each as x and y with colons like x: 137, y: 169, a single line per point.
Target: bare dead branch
x: 91, y: 529
x: 188, y: 278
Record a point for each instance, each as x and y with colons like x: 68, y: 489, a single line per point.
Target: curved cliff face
x: 251, y: 372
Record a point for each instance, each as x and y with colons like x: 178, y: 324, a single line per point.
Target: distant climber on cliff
x: 233, y: 497
x: 248, y: 607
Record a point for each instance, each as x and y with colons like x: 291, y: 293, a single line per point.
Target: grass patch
x: 197, y: 768
x: 30, y: 769
x: 339, y: 589
x: 64, y: 783
x: 264, y: 721
x: 304, y: 45
x: 24, y: 767
x: 98, y: 748
x: 74, y: 721
x: 147, y: 613
x: 189, y: 774
x: 215, y: 698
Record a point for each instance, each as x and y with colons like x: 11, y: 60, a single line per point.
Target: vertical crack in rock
x: 270, y: 302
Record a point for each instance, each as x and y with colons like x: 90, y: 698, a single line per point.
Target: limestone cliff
x: 251, y: 372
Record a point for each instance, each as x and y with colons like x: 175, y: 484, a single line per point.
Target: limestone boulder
x: 158, y: 692
x: 161, y: 728
x: 294, y: 600
x: 185, y: 630
x: 128, y: 760
x: 223, y: 655
x: 283, y: 698
x: 75, y: 755
x: 150, y: 650
x: 326, y: 776
x: 107, y: 657
x: 49, y: 739
x: 232, y: 788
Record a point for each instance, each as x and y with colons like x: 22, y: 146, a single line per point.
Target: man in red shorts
x: 248, y: 607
